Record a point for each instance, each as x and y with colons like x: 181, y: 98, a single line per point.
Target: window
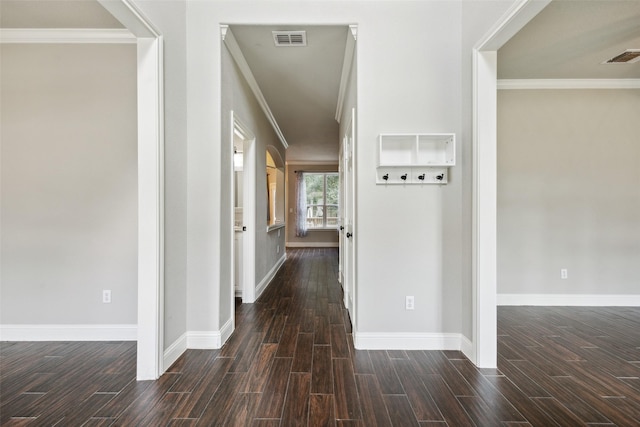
x: 322, y: 199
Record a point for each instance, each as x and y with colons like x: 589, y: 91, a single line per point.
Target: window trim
x: 324, y: 205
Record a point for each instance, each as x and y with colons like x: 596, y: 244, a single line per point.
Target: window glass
x: 322, y: 200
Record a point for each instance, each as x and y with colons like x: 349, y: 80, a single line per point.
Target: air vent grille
x: 290, y: 38
x: 626, y: 57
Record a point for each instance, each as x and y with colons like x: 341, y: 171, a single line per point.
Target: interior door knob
x: 341, y: 227
x: 349, y: 235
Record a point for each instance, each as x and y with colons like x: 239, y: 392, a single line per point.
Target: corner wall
x: 69, y: 186
x: 568, y: 197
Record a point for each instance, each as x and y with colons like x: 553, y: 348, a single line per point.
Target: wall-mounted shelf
x: 415, y: 158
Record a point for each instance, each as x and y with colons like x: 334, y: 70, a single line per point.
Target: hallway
x: 291, y: 362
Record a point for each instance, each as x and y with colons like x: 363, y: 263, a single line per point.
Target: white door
x: 348, y: 233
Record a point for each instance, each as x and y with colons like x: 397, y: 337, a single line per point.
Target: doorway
x: 244, y: 212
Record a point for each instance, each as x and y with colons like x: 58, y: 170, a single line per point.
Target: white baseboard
x: 201, y: 340
x: 68, y: 332
x: 226, y: 331
x: 174, y: 351
x: 312, y: 244
x: 406, y: 341
x: 270, y: 275
x: 578, y: 300
x: 466, y: 347
x: 204, y: 340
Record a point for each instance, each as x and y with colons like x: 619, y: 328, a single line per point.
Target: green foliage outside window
x: 323, y: 192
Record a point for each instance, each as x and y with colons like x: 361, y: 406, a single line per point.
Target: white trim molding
x: 174, y: 351
x: 204, y: 340
x: 66, y: 35
x: 236, y: 53
x: 347, y: 62
x: 466, y: 347
x: 570, y: 300
x: 407, y: 341
x: 196, y: 340
x: 226, y: 331
x: 506, y: 84
x: 269, y: 276
x: 68, y: 332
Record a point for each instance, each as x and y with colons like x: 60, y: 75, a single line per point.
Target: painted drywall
x: 568, y: 191
x: 401, y: 88
x: 314, y: 238
x: 400, y: 237
x: 238, y: 98
x: 69, y: 184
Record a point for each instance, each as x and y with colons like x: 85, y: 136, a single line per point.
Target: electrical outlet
x: 564, y: 273
x: 409, y: 303
x: 106, y: 296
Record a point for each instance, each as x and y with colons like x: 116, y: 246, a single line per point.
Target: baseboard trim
x: 174, y: 351
x: 270, y: 275
x: 466, y: 347
x: 579, y: 300
x: 204, y: 340
x: 406, y: 341
x: 312, y: 244
x: 226, y: 331
x: 68, y: 332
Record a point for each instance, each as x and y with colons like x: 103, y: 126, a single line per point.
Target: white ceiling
x: 55, y: 14
x: 300, y: 84
x: 568, y: 39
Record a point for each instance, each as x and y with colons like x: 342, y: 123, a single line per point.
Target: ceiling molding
x: 234, y: 49
x: 506, y: 84
x: 66, y: 35
x: 346, y: 69
x: 513, y: 20
x: 131, y: 17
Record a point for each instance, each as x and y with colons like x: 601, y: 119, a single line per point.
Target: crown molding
x: 236, y: 53
x: 66, y: 35
x: 347, y: 62
x: 506, y: 84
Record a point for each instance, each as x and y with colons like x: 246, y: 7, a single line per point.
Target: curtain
x: 301, y: 205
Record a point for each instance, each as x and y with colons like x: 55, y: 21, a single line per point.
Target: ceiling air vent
x: 290, y: 38
x: 626, y: 57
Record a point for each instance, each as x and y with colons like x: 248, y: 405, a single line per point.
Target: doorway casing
x: 484, y: 216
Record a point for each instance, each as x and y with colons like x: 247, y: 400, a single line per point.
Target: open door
x: 244, y: 212
x: 347, y: 229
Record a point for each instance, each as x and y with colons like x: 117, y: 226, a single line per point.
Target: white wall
x: 402, y: 87
x: 69, y: 184
x: 568, y: 192
x: 269, y: 246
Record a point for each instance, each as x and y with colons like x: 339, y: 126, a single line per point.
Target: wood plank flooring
x: 291, y: 362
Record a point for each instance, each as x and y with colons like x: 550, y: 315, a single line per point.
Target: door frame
x: 484, y: 216
x: 248, y: 213
x: 150, y: 83
x: 348, y: 245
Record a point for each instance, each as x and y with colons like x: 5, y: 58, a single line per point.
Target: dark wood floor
x: 291, y: 362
